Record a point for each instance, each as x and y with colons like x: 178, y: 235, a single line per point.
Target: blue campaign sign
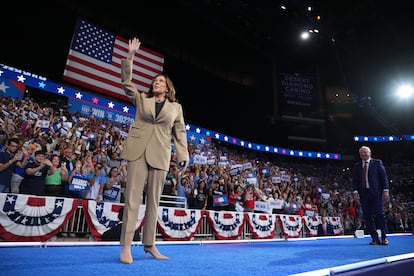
x: 220, y: 200
x: 79, y: 183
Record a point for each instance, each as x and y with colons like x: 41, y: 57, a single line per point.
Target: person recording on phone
x: 34, y: 181
x: 77, y: 176
x: 10, y: 158
x: 159, y: 121
x: 68, y: 160
x: 19, y: 171
x: 55, y: 182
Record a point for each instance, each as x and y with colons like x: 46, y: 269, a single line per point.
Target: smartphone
x: 19, y: 155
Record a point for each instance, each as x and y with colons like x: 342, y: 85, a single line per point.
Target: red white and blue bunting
x: 262, y: 226
x: 176, y: 224
x: 226, y: 225
x: 291, y: 225
x: 103, y: 216
x: 31, y: 218
x: 336, y: 224
x: 311, y: 224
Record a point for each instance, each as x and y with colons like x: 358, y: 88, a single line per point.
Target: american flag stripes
x: 94, y: 61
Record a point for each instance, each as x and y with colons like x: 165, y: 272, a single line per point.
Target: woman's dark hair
x: 110, y: 171
x: 170, y: 87
x: 60, y: 159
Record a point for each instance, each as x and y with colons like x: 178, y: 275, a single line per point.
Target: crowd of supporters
x: 69, y: 154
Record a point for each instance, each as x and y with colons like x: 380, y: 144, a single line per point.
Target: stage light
x: 304, y: 35
x: 405, y: 91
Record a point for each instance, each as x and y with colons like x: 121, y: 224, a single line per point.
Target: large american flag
x: 94, y: 61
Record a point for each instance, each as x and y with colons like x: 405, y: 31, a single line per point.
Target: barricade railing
x: 78, y: 227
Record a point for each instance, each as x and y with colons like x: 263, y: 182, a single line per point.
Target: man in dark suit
x: 114, y: 234
x: 371, y: 188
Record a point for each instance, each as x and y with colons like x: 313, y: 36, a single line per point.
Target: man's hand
x: 386, y: 196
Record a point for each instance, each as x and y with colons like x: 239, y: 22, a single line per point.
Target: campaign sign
x: 211, y: 161
x: 238, y: 207
x: 260, y: 206
x: 111, y: 194
x: 199, y: 159
x: 276, y: 204
x: 247, y: 165
x: 78, y: 184
x: 251, y: 181
x: 276, y: 179
x: 235, y: 170
x: 286, y: 177
x: 220, y: 200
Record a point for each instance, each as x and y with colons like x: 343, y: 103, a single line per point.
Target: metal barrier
x: 78, y: 227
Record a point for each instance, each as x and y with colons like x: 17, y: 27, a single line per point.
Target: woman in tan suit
x: 158, y: 122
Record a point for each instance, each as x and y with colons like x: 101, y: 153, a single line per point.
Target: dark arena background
x: 275, y: 94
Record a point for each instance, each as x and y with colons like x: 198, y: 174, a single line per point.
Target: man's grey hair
x: 364, y: 148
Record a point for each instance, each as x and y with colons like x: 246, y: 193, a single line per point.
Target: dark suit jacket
x: 377, y: 177
x: 114, y: 234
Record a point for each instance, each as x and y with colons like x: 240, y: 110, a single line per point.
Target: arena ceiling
x: 360, y: 45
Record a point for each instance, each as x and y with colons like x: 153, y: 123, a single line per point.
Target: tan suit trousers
x: 139, y: 172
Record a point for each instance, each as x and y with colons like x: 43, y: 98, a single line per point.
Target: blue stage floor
x: 314, y: 256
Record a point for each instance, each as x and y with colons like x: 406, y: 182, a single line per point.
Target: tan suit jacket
x: 151, y: 135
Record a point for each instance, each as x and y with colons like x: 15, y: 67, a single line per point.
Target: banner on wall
x: 11, y: 88
x: 298, y: 92
x: 100, y: 112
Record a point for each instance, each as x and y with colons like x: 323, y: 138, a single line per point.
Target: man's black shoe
x: 374, y: 242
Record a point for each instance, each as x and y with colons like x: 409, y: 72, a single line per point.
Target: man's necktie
x: 364, y: 174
